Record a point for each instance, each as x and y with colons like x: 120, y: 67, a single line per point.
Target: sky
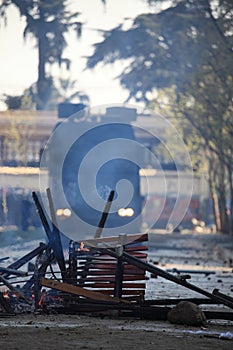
x: 18, y: 58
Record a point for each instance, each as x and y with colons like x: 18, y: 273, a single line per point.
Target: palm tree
x: 48, y: 22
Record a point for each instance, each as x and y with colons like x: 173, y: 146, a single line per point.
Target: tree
x: 187, y: 46
x: 64, y: 90
x: 12, y: 101
x: 158, y: 55
x: 48, y: 22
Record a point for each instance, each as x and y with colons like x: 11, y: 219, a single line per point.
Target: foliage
x: 48, y: 22
x: 17, y: 137
x: 62, y: 90
x: 158, y: 55
x: 186, y: 47
x: 12, y: 101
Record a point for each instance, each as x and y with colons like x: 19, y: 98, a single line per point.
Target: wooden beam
x: 69, y: 288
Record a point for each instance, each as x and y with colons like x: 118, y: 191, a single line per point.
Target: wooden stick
x: 104, y: 215
x: 13, y: 289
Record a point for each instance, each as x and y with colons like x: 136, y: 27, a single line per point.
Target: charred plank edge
x: 6, y: 305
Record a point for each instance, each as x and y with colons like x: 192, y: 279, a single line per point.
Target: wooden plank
x: 110, y: 273
x: 104, y: 215
x: 99, y: 273
x: 106, y: 258
x: 132, y: 292
x: 103, y: 267
x: 103, y: 285
x: 135, y: 248
x: 69, y: 288
x: 106, y: 267
x: 130, y: 239
x: 139, y: 255
x: 109, y: 279
x: 13, y: 289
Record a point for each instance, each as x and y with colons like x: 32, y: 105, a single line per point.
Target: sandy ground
x: 35, y: 331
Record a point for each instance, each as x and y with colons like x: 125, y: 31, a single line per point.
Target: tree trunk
x: 230, y: 213
x: 222, y: 200
x: 214, y: 198
x: 42, y: 81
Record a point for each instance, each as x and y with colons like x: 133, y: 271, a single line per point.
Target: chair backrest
x: 112, y: 276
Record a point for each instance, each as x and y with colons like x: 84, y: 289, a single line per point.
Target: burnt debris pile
x: 100, y: 276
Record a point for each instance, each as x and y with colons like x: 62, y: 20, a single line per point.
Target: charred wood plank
x: 20, y: 262
x: 56, y: 243
x: 13, y: 271
x: 119, y: 278
x: 102, y: 285
x: 52, y: 235
x: 41, y: 272
x: 6, y: 304
x: 13, y: 289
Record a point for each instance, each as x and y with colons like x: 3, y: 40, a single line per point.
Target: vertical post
x: 119, y: 278
x: 37, y: 286
x: 72, y: 263
x: 119, y: 272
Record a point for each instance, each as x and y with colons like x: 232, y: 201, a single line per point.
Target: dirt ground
x: 35, y: 331
x: 82, y: 332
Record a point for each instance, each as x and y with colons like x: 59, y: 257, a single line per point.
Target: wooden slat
x: 135, y: 248
x: 109, y: 279
x: 112, y: 285
x: 106, y: 258
x: 104, y: 267
x: 69, y: 288
x: 101, y: 273
x: 132, y: 292
x: 134, y: 272
x: 101, y: 266
x: 139, y: 255
x: 130, y: 239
